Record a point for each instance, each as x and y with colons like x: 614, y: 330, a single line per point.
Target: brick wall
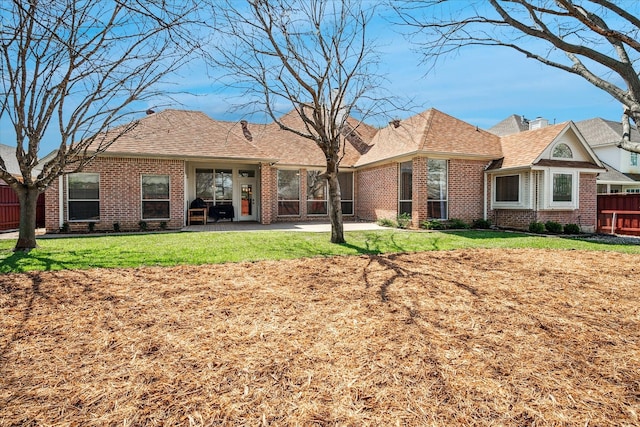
x: 377, y: 192
x: 120, y: 194
x: 268, y: 193
x: 466, y: 184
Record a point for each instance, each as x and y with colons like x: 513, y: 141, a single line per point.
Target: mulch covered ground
x: 472, y: 337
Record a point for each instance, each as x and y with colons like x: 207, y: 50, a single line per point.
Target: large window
x: 406, y: 188
x: 204, y: 184
x: 346, y: 191
x: 155, y: 197
x: 633, y: 159
x: 437, y: 189
x: 508, y: 188
x: 83, y: 196
x: 316, y: 193
x: 562, y: 187
x: 224, y: 187
x: 288, y: 192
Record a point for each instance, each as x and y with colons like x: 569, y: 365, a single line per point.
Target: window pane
x: 406, y: 178
x: 634, y: 159
x: 288, y: 208
x: 84, y: 186
x: 562, y: 151
x: 437, y: 209
x: 155, y: 210
x: 437, y: 179
x: 288, y: 185
x: 347, y: 208
x: 405, y: 207
x: 316, y: 186
x: 248, y: 173
x: 204, y: 184
x: 317, y: 207
x: 155, y: 187
x: 224, y: 184
x: 85, y: 210
x: 346, y: 185
x: 562, y: 183
x: 507, y: 188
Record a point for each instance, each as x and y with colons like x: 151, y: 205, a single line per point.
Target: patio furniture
x: 197, y: 214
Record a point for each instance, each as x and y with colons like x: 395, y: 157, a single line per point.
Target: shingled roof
x: 510, y: 125
x: 183, y: 134
x: 433, y: 133
x: 600, y: 132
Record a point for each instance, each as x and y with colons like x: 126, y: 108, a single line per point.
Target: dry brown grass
x: 473, y: 337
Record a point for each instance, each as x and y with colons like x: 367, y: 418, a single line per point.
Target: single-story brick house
x: 431, y: 166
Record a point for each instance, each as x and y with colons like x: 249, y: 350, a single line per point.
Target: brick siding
x: 120, y: 194
x: 377, y: 190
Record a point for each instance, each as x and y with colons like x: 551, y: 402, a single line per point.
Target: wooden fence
x: 10, y: 209
x: 619, y: 213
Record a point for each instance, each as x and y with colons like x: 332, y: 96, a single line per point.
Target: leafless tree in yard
x: 598, y: 40
x: 314, y: 57
x: 72, y: 70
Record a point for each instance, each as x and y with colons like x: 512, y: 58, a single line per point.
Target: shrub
x: 572, y: 229
x: 433, y: 224
x: 116, y: 227
x: 163, y: 225
x: 553, y: 227
x: 481, y: 224
x: 404, y: 220
x: 143, y: 225
x: 65, y: 227
x: 536, y: 227
x: 92, y: 227
x: 458, y: 224
x: 386, y: 222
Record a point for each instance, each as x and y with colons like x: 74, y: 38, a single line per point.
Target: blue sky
x: 480, y: 85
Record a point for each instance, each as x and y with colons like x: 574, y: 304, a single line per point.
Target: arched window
x: 562, y: 151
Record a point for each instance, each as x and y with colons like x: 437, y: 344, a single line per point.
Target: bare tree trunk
x: 335, y: 205
x: 28, y: 197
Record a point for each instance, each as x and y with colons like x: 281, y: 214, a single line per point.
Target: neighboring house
x: 430, y: 166
x: 623, y: 167
x: 9, y: 203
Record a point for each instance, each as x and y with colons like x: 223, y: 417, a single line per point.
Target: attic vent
x: 245, y: 130
x: 538, y: 123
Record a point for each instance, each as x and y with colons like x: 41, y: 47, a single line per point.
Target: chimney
x: 538, y: 123
x: 245, y: 130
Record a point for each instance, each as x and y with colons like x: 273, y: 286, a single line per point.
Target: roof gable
x: 535, y: 147
x: 431, y: 133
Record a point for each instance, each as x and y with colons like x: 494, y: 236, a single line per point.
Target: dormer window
x: 562, y: 151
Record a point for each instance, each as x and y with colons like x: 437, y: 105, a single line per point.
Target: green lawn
x: 167, y: 249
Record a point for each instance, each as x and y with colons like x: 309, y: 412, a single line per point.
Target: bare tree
x: 312, y: 56
x: 72, y: 70
x: 597, y: 40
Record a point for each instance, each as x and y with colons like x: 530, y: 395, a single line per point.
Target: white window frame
x: 278, y: 199
x: 350, y: 200
x: 553, y: 150
x: 143, y: 200
x: 575, y: 190
x: 520, y: 203
x: 326, y: 195
x: 69, y: 200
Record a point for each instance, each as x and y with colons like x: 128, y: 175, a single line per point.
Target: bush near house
x: 571, y: 229
x: 553, y: 227
x: 536, y: 227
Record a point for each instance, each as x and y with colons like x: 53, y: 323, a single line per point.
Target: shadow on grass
x: 486, y: 234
